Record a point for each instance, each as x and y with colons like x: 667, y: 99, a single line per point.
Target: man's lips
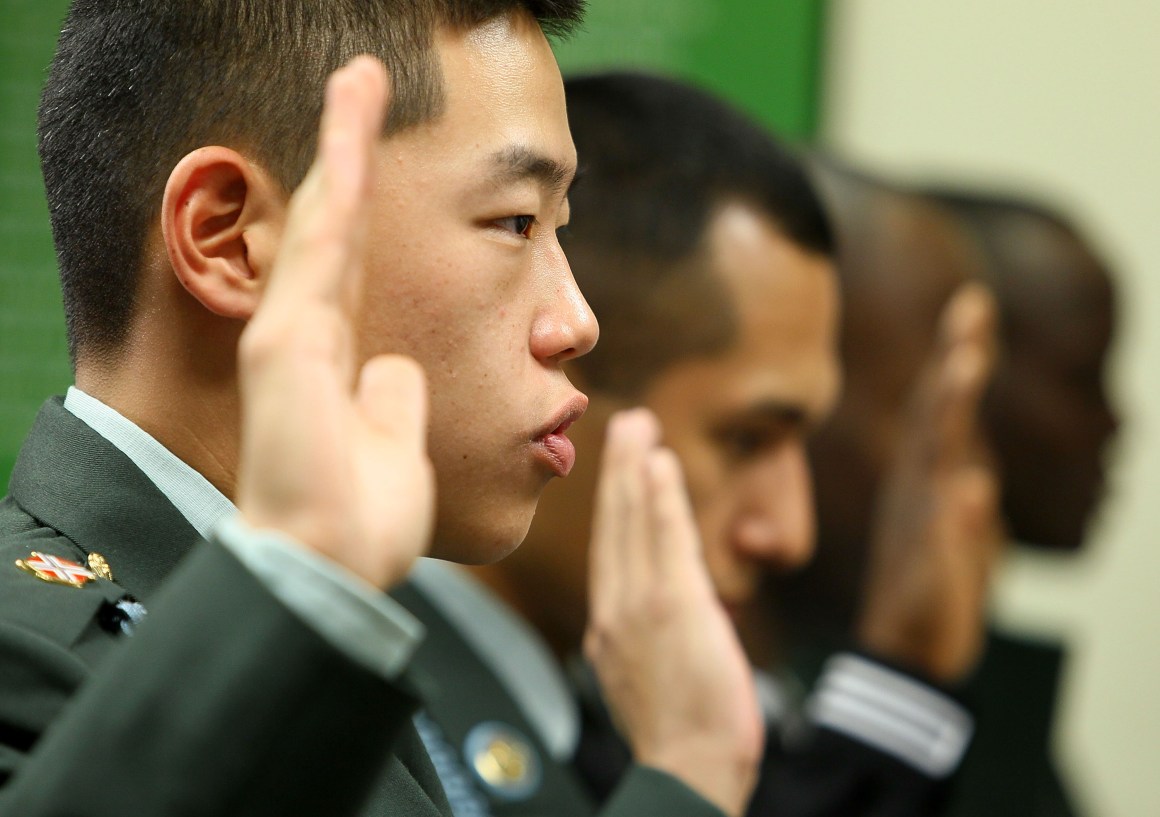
x: 557, y: 450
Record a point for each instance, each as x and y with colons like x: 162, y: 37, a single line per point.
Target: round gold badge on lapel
x: 100, y: 566
x: 504, y: 760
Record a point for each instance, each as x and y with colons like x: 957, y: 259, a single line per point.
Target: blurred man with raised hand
x: 1046, y: 420
x: 902, y: 259
x: 1048, y: 410
x: 1049, y: 415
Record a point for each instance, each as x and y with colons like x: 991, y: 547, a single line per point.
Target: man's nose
x: 775, y: 523
x: 566, y: 328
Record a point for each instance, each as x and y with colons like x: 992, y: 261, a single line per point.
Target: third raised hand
x: 936, y: 533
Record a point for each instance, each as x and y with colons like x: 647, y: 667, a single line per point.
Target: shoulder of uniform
x: 22, y: 535
x: 47, y: 584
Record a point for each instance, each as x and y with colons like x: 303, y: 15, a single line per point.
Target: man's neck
x: 198, y: 425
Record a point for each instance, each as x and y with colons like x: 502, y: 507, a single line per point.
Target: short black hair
x: 137, y: 84
x: 657, y: 159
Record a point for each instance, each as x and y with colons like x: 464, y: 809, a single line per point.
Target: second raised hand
x: 669, y: 661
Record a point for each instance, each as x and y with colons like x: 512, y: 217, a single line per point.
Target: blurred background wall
x: 763, y: 55
x: 1060, y: 100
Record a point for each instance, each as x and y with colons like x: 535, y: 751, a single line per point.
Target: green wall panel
x: 761, y: 54
x: 33, y: 357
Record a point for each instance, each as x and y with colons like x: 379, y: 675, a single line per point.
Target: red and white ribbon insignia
x: 56, y: 570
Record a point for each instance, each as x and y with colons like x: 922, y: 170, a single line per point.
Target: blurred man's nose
x: 775, y: 521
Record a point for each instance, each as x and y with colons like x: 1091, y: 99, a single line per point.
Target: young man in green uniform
x: 268, y: 675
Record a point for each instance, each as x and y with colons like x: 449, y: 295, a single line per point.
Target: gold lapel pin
x: 504, y: 760
x: 100, y: 566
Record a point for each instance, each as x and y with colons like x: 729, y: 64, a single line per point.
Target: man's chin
x: 479, y: 545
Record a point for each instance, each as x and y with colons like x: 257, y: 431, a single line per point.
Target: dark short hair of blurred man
x: 709, y: 260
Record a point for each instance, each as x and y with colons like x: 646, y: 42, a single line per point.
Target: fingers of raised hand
x: 976, y: 508
x: 948, y: 395
x: 326, y: 223
x: 392, y: 399
x: 668, y: 661
x: 305, y: 313
x: 320, y: 451
x: 674, y: 542
x: 397, y: 480
x: 352, y: 120
x: 620, y: 529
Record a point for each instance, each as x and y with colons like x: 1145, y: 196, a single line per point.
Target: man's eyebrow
x: 517, y: 163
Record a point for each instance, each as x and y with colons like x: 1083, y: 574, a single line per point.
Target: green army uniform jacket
x: 1009, y: 770
x: 221, y: 703
x: 465, y: 724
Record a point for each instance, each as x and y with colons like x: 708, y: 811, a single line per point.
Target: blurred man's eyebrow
x: 779, y: 412
x: 516, y: 164
x: 784, y: 412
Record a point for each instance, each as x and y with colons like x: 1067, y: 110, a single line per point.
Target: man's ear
x: 221, y: 219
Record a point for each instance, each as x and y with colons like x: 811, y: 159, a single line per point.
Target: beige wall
x: 1064, y: 99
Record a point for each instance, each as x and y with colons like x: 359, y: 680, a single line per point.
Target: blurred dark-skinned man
x: 1051, y: 420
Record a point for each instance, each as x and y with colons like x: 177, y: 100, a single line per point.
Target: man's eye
x: 520, y: 225
x: 746, y: 443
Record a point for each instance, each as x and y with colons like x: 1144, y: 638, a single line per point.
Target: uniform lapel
x: 463, y: 697
x: 77, y: 482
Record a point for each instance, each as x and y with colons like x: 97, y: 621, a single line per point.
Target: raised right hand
x: 669, y: 662
x: 937, y: 533
x: 333, y: 456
